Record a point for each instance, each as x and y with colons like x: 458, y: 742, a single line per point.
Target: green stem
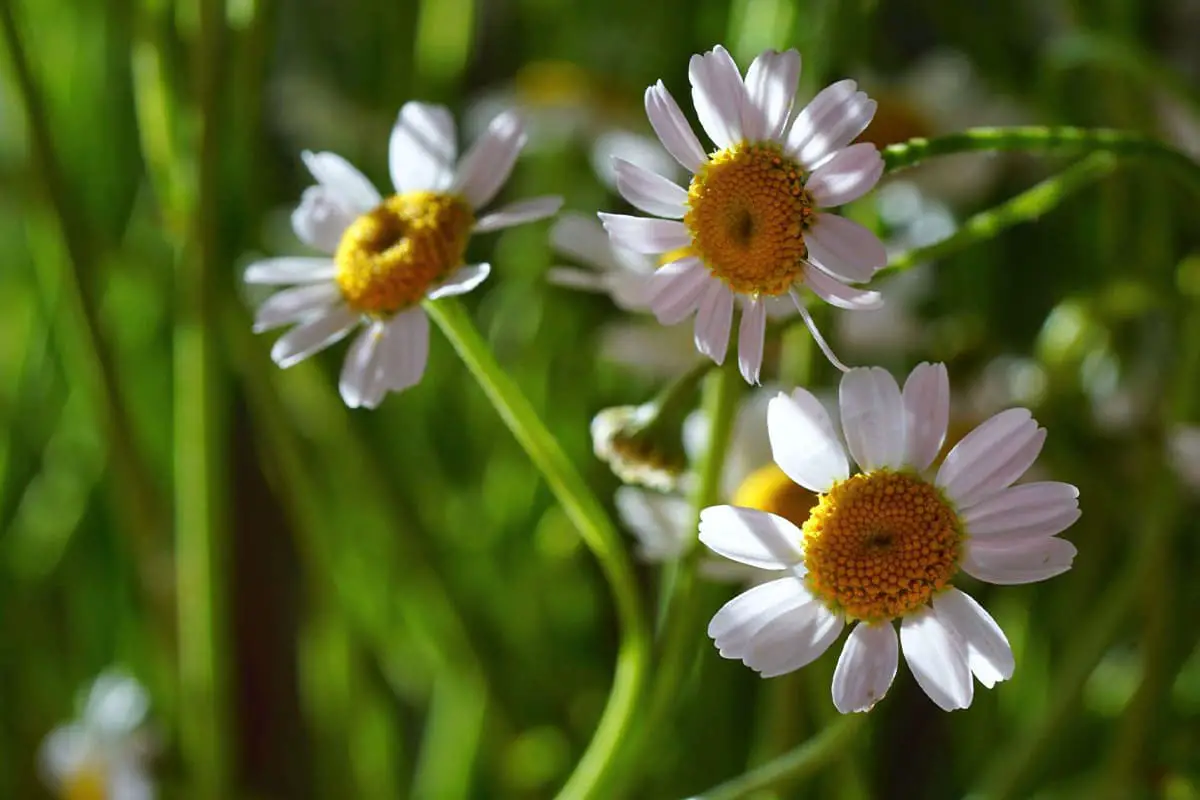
x: 1038, y: 139
x: 595, y: 768
x: 792, y: 766
x: 200, y: 559
x: 1027, y: 206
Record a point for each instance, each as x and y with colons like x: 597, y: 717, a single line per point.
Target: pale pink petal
x: 1023, y: 561
x: 866, y: 668
x: 770, y: 90
x: 803, y: 443
x: 714, y: 319
x: 838, y: 294
x: 873, y: 418
x: 646, y: 234
x: 519, y: 213
x: 487, y: 165
x: 461, y: 281
x: 988, y: 653
x: 345, y: 184
x: 834, y: 118
x: 650, y: 191
x: 748, y: 536
x: 751, y: 335
x: 991, y: 457
x: 844, y: 249
x: 422, y: 148
x: 937, y: 657
x: 676, y: 289
x: 793, y: 639
x: 847, y: 176
x: 718, y: 94
x: 291, y: 270
x: 313, y: 335
x: 673, y: 129
x: 927, y: 413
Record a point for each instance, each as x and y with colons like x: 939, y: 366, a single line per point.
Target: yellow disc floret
x: 747, y: 212
x: 880, y: 545
x: 391, y: 256
x: 769, y: 489
x: 88, y: 782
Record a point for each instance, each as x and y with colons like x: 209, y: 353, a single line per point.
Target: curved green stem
x: 791, y: 766
x: 595, y: 769
x: 1037, y: 139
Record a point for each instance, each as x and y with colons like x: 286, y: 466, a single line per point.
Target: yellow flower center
x: 747, y: 212
x: 769, y: 489
x: 880, y: 545
x: 88, y: 782
x: 390, y: 257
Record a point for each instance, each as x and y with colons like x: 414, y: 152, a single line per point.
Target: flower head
x: 639, y: 446
x: 102, y: 755
x: 750, y: 225
x: 390, y: 253
x: 886, y: 543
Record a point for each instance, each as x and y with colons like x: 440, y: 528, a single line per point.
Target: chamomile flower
x: 885, y: 544
x: 103, y: 754
x: 750, y: 226
x: 390, y: 254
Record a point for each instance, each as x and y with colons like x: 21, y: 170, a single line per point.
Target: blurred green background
x: 395, y: 605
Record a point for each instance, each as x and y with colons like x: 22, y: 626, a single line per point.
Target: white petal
x: 991, y: 457
x: 770, y: 89
x: 676, y: 289
x: 831, y: 121
x: 129, y: 780
x: 718, y: 94
x: 851, y: 173
x: 844, y: 249
x: 584, y: 239
x: 320, y: 220
x: 988, y: 653
x: 927, y: 413
x: 487, y: 165
x: 673, y: 129
x: 793, y: 640
x: 661, y: 522
x: 838, y: 294
x: 519, y: 213
x: 1024, y: 561
x: 64, y: 751
x: 313, y: 335
x: 735, y: 625
x: 803, y: 443
x: 646, y: 234
x: 357, y: 380
x: 1017, y: 506
x: 751, y: 335
x: 406, y: 349
x: 461, y: 282
x: 290, y: 270
x: 116, y: 705
x: 349, y: 187
x: 650, y: 191
x: 295, y: 304
x: 714, y: 319
x: 873, y: 418
x: 866, y: 667
x: 748, y: 536
x: 937, y: 657
x: 423, y: 148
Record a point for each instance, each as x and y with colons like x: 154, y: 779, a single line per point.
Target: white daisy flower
x: 886, y: 543
x: 751, y: 218
x: 389, y: 254
x: 103, y: 755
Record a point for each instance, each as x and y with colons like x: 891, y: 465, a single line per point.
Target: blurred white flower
x: 625, y: 438
x: 885, y: 544
x: 390, y: 254
x: 1183, y: 447
x: 104, y: 754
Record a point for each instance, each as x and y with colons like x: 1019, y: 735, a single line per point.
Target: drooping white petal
x: 714, y: 319
x: 866, y: 667
x: 748, y: 536
x: 423, y: 148
x: 718, y: 94
x: 673, y: 129
x: 793, y: 639
x: 662, y: 523
x: 405, y: 351
x: 927, y: 413
x: 834, y: 118
x: 313, y: 335
x: 770, y: 90
x: 519, y: 213
x: 803, y: 443
x: 838, y: 294
x: 937, y: 657
x: 290, y: 270
x: 582, y: 238
x: 646, y: 234
x: 320, y: 219
x: 751, y: 335
x: 847, y: 176
x: 359, y: 370
x: 991, y: 457
x: 295, y: 304
x: 735, y: 625
x: 461, y: 281
x: 988, y: 653
x: 487, y: 165
x: 676, y: 289
x: 650, y: 191
x: 1020, y: 506
x: 844, y: 249
x: 873, y: 418
x: 345, y: 184
x: 1022, y: 561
